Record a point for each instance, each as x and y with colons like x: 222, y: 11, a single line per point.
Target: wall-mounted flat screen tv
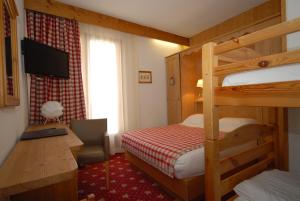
x: 44, y: 60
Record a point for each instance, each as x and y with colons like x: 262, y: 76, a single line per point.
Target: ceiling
x: 182, y: 17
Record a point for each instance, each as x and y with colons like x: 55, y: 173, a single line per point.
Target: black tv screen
x: 44, y: 60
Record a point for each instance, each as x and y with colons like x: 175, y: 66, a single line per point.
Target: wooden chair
x: 93, y: 133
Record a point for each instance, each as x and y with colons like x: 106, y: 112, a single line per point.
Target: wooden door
x: 190, y: 71
x: 173, y: 89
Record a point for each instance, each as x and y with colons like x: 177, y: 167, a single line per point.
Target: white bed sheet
x: 274, y: 185
x: 192, y: 163
x: 279, y: 74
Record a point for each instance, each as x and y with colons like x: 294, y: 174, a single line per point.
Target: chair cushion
x: 90, y: 154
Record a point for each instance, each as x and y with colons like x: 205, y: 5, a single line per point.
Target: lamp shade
x: 200, y: 83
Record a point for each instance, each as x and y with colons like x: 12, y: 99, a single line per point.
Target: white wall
x: 293, y: 7
x: 13, y: 120
x: 151, y: 55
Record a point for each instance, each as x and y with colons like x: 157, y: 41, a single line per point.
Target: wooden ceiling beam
x: 89, y: 17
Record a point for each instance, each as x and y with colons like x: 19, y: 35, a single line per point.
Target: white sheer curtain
x: 109, y: 75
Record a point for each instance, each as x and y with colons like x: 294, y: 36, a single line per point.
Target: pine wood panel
x: 270, y: 61
x: 245, y: 134
x: 229, y: 183
x: 173, y: 77
x: 264, y: 12
x: 283, y: 143
x: 236, y: 161
x: 186, y: 189
x: 191, y: 71
x: 211, y: 125
x: 90, y: 17
x: 261, y: 100
x: 174, y: 111
x: 212, y: 171
x: 280, y: 94
x: 267, y: 33
x: 242, y: 112
x: 64, y: 191
x: 173, y: 89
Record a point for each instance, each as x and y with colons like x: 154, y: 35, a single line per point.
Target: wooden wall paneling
x: 264, y: 34
x: 191, y: 71
x: 173, y: 89
x: 90, y: 17
x: 250, y: 18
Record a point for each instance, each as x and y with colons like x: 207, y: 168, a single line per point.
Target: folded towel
x: 274, y: 185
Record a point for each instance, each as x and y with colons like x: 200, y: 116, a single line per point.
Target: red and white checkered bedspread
x: 161, y: 147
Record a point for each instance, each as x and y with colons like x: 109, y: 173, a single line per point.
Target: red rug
x: 126, y: 183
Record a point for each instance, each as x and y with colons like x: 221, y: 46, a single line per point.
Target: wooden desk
x: 42, y: 169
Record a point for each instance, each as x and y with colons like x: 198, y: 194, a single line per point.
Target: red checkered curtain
x: 63, y: 34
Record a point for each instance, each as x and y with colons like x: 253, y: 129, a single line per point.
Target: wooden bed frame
x: 221, y: 175
x: 193, y: 187
x: 185, y: 189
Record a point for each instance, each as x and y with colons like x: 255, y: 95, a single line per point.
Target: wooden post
x: 283, y: 141
x: 211, y: 125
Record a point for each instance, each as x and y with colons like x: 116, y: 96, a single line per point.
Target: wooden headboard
x: 245, y: 112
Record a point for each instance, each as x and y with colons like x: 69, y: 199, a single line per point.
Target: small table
x: 42, y: 169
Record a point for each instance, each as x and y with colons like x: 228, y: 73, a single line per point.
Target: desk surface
x: 41, y: 162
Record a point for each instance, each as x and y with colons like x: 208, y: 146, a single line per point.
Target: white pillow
x: 228, y: 124
x: 195, y: 120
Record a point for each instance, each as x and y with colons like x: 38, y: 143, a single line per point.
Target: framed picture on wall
x: 145, y: 77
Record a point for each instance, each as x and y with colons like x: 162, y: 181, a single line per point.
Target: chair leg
x: 106, y: 164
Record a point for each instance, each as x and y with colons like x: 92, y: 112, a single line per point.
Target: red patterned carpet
x: 126, y: 183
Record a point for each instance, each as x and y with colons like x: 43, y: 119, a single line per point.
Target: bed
x: 174, y: 155
x: 266, y: 81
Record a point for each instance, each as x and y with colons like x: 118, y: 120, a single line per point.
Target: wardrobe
x: 183, y: 97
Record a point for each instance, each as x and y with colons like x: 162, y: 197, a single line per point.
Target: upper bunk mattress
x: 278, y: 74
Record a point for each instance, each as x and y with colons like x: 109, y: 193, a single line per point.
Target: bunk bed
x: 222, y: 175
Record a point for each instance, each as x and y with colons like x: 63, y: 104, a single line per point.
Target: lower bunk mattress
x: 178, y: 150
x: 272, y: 185
x: 161, y: 147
